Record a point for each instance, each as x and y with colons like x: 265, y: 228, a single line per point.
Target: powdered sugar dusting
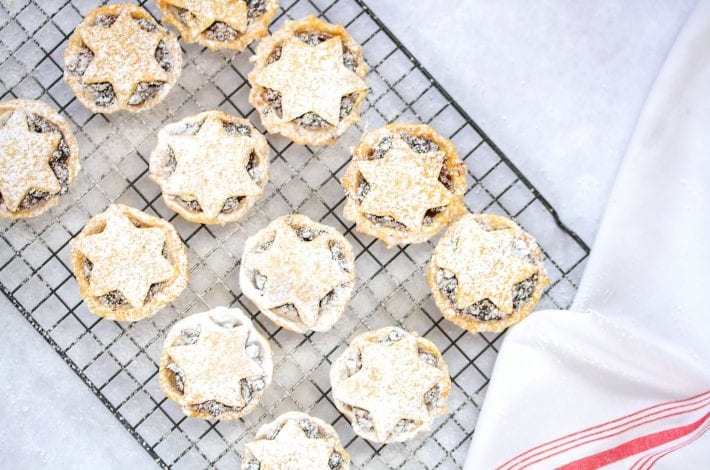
x: 400, y: 386
x: 300, y: 273
x: 222, y: 371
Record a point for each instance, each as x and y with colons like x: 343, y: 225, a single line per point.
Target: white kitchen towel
x: 623, y: 379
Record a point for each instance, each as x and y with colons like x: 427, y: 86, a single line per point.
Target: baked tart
x: 39, y: 158
x: 308, y: 81
x: 212, y: 167
x: 215, y: 364
x: 391, y: 384
x: 296, y: 440
x: 299, y: 273
x: 219, y: 24
x: 128, y: 264
x: 120, y: 58
x: 404, y: 184
x: 486, y: 273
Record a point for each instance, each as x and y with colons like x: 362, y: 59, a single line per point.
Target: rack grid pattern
x: 118, y: 361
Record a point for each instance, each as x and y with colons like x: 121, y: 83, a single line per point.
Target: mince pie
x: 308, y: 81
x: 299, y: 273
x: 296, y: 441
x: 215, y: 364
x: 39, y: 157
x: 486, y: 273
x: 390, y: 384
x: 119, y: 58
x: 212, y: 167
x: 128, y: 264
x: 404, y: 184
x: 219, y: 24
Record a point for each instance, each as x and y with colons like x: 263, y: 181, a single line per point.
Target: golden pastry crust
x: 212, y: 167
x: 319, y: 131
x: 215, y: 364
x: 486, y: 273
x: 39, y: 156
x: 245, y: 22
x: 404, y: 185
x: 299, y: 273
x: 125, y: 251
x: 296, y: 440
x: 391, y: 384
x: 119, y: 58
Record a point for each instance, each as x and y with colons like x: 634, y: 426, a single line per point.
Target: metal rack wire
x: 118, y: 361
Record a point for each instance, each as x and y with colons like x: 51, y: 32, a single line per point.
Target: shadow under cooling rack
x: 118, y: 361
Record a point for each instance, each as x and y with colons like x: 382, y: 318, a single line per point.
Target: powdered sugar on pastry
x: 308, y: 81
x: 296, y: 441
x: 128, y: 264
x: 391, y: 384
x: 486, y: 273
x: 219, y: 24
x: 215, y: 364
x: 38, y: 158
x: 404, y: 184
x: 119, y: 58
x: 299, y: 273
x: 212, y: 167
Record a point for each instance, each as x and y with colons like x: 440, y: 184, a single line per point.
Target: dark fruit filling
x: 106, y: 20
x: 485, y: 310
x: 214, y: 408
x: 162, y: 55
x: 307, y: 234
x: 309, y: 429
x: 336, y: 461
x: 102, y: 94
x: 235, y: 128
x: 255, y: 9
x: 420, y: 144
x: 146, y: 25
x: 229, y: 205
x: 253, y: 465
x: 221, y: 32
x: 144, y: 91
x: 386, y: 221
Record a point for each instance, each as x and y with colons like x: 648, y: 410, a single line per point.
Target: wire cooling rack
x: 118, y: 361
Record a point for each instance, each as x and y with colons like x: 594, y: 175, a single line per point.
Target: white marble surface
x: 48, y: 417
x: 558, y: 85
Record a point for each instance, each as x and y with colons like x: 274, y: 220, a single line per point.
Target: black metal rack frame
x: 118, y: 361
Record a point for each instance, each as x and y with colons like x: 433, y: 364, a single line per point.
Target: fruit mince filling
x: 484, y: 310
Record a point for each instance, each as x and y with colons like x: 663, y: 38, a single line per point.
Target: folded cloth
x: 623, y: 379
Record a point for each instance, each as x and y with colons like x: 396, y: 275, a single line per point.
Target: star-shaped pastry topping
x: 24, y: 160
x: 485, y: 263
x: 391, y: 384
x: 291, y: 450
x: 211, y: 166
x: 404, y: 184
x: 125, y: 258
x: 311, y: 79
x: 124, y: 55
x: 213, y: 368
x: 233, y: 13
x: 299, y: 272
